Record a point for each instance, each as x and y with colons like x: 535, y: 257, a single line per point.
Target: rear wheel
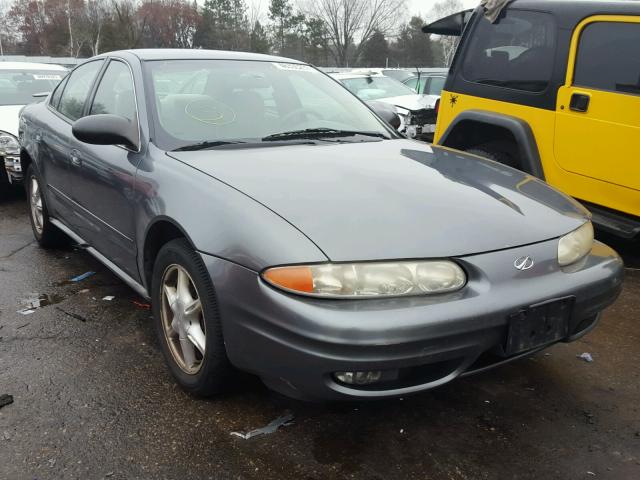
x: 47, y: 235
x: 187, y: 320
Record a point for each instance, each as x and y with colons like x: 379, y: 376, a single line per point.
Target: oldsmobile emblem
x: 523, y: 263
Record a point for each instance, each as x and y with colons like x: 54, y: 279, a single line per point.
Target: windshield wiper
x: 320, y: 133
x: 207, y: 144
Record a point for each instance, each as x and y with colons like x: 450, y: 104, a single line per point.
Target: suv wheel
x: 47, y: 235
x: 187, y: 320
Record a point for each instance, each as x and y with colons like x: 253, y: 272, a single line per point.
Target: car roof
x: 148, y: 54
x: 571, y: 12
x: 30, y: 66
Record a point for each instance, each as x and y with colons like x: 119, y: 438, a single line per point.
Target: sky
x: 421, y: 7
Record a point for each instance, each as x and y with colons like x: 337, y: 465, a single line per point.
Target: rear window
x: 609, y: 58
x: 18, y: 86
x: 516, y: 52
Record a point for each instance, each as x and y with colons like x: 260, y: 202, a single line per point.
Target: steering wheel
x: 299, y: 111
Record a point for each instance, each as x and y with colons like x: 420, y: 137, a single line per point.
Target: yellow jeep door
x: 598, y: 115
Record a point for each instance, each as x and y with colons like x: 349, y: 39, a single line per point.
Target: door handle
x: 75, y: 159
x: 579, y: 102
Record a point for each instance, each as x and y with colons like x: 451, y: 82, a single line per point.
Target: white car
x: 19, y: 82
x: 417, y: 112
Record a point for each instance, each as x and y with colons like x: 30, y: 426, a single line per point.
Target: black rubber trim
x: 529, y: 155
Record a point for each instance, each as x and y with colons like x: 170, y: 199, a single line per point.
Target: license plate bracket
x: 539, y: 325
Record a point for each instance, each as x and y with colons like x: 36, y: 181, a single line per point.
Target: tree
x: 448, y: 43
x: 224, y: 25
x: 375, y: 52
x: 259, y: 41
x: 353, y: 22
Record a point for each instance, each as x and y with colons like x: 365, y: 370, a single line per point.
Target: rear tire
x: 187, y: 320
x: 47, y: 234
x: 495, y: 155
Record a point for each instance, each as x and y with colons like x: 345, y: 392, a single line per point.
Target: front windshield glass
x: 232, y: 100
x: 18, y: 86
x: 374, y: 88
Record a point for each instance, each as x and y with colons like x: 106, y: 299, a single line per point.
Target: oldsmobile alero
x: 281, y: 227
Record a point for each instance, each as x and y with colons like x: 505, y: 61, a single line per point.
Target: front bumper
x: 13, y: 167
x: 295, y: 344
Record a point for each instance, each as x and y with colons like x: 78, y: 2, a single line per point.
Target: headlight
x: 575, y: 245
x: 357, y: 280
x: 9, y: 144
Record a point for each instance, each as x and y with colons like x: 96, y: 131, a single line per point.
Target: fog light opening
x: 359, y: 378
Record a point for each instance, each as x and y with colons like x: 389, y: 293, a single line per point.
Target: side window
x: 57, y: 93
x: 515, y: 52
x: 412, y: 82
x: 115, y: 93
x: 608, y: 57
x: 77, y: 89
x: 436, y: 85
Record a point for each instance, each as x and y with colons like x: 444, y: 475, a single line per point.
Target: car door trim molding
x: 76, y: 204
x: 139, y: 289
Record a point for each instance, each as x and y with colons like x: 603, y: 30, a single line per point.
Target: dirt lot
x: 92, y: 398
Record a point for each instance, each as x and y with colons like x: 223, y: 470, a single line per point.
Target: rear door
x: 104, y: 175
x: 598, y: 115
x: 56, y: 142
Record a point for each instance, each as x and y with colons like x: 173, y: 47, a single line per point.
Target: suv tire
x: 495, y: 155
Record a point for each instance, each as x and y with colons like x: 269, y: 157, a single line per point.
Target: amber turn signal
x: 296, y: 279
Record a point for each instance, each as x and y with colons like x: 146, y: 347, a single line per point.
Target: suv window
x: 115, y: 92
x: 77, y: 89
x: 515, y: 52
x: 436, y: 85
x: 608, y: 57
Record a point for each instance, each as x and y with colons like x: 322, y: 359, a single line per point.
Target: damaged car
x: 280, y: 227
x: 417, y: 112
x: 19, y: 82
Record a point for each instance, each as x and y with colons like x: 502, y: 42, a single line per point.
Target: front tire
x: 494, y: 154
x: 47, y: 234
x: 187, y: 320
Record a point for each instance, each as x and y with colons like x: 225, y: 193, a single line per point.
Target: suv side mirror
x: 106, y: 129
x: 386, y: 112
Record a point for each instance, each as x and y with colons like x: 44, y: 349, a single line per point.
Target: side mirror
x: 386, y: 112
x: 106, y: 129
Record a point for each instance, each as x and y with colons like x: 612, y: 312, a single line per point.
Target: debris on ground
x: 5, y: 399
x: 283, y: 421
x: 108, y: 298
x: 142, y: 305
x: 84, y: 276
x: 586, y: 356
x: 84, y: 290
x: 72, y: 315
x: 36, y: 301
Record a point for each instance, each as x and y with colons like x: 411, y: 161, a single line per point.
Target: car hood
x: 394, y: 199
x: 412, y: 102
x: 9, y: 117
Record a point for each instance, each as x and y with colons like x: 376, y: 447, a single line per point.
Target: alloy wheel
x: 36, y: 205
x: 182, y: 319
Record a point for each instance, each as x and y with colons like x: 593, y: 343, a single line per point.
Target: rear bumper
x: 296, y: 344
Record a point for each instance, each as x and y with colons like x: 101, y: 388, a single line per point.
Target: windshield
x: 374, y: 88
x: 18, y: 86
x: 217, y: 102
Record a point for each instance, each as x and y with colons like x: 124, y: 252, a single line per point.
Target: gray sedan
x: 281, y: 227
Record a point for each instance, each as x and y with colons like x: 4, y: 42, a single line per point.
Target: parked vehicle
x: 303, y: 239
x: 399, y: 74
x: 429, y: 82
x: 552, y: 88
x: 417, y: 112
x: 18, y: 83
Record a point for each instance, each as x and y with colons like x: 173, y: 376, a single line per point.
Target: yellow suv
x: 552, y: 87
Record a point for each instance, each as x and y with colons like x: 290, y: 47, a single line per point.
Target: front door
x: 598, y: 116
x: 104, y: 175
